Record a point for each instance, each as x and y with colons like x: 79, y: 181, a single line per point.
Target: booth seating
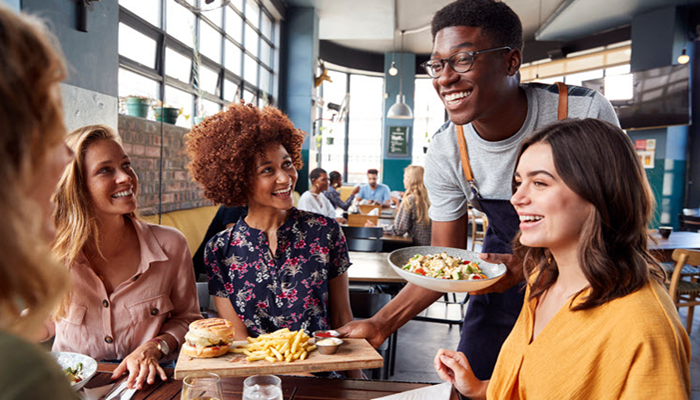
x: 193, y: 223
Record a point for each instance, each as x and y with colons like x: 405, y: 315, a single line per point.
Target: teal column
x: 301, y: 30
x: 394, y: 164
x: 658, y: 38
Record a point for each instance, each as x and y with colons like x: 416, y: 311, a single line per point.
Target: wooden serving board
x: 352, y: 354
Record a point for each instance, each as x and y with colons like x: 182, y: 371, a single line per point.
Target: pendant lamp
x: 684, y: 58
x: 400, y: 110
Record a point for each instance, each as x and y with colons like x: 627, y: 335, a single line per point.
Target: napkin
x: 441, y: 391
x: 98, y: 392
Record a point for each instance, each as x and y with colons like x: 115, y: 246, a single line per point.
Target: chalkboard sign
x: 397, y: 142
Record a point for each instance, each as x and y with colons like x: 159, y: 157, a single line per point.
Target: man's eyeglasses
x: 459, y: 62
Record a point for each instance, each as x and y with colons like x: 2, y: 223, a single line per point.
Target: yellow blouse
x: 633, y: 347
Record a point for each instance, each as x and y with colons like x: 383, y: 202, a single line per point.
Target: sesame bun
x: 212, y: 328
x: 206, y: 352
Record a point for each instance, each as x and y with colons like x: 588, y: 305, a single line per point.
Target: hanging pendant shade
x: 400, y: 110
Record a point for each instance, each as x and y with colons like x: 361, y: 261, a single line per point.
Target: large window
x: 331, y: 129
x: 204, y: 59
x: 428, y: 117
x: 365, y: 126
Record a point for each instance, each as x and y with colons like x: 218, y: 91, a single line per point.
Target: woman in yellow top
x: 597, y: 322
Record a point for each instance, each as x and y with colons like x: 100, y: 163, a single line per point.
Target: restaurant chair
x: 365, y: 305
x: 685, y: 293
x: 203, y: 295
x: 359, y: 220
x: 363, y: 238
x: 479, y: 220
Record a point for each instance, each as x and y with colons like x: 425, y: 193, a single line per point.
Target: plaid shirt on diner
x: 407, y: 221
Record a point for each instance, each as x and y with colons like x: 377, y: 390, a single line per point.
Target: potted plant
x: 137, y: 106
x: 167, y: 113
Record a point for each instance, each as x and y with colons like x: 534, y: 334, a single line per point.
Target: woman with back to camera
x: 333, y: 193
x: 597, y: 322
x: 278, y: 267
x: 314, y: 200
x: 133, y: 294
x: 32, y: 158
x: 412, y: 216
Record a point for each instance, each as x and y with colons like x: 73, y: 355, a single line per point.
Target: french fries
x: 281, y: 345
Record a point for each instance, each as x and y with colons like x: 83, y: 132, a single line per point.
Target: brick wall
x: 141, y: 139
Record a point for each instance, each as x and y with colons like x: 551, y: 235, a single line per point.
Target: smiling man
x: 477, y: 53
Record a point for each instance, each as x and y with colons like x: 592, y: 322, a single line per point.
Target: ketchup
x: 324, y: 334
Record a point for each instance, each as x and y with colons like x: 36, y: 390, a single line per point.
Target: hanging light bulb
x: 684, y: 57
x: 400, y: 110
x: 393, y: 70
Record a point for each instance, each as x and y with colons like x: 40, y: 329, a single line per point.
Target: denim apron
x: 490, y: 317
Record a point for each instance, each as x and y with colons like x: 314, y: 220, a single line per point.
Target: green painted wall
x: 393, y: 173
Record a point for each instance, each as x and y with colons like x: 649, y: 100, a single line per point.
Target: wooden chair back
x: 359, y: 220
x: 685, y: 293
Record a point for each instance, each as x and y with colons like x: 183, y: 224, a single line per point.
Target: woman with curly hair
x: 133, y: 294
x: 597, y: 322
x: 278, y: 267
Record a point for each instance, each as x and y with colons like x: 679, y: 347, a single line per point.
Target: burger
x: 208, y: 338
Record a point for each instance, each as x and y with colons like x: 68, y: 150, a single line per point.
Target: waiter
x: 477, y: 53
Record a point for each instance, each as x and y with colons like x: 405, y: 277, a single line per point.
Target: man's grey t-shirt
x: 493, y: 163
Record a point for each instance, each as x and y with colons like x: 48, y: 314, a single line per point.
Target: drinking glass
x: 262, y: 387
x: 202, y: 387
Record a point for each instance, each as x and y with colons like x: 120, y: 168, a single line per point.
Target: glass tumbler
x: 262, y: 387
x: 202, y: 387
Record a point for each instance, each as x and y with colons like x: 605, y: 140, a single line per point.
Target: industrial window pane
x: 233, y: 58
x: 210, y: 108
x: 251, y: 40
x: 179, y: 99
x: 251, y: 70
x: 265, y: 51
x: 248, y: 96
x: 333, y: 134
x: 238, y: 4
x: 210, y: 41
x: 266, y: 26
x: 264, y: 80
x: 365, y: 121
x: 137, y: 46
x: 177, y: 65
x: 428, y: 117
x: 208, y: 79
x: 577, y: 79
x: 230, y: 91
x: 215, y: 16
x: 180, y: 23
x: 148, y: 10
x: 132, y: 84
x: 619, y: 70
x: 252, y: 12
x: 234, y: 25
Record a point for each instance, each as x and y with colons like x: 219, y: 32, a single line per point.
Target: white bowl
x: 399, y: 258
x: 66, y: 359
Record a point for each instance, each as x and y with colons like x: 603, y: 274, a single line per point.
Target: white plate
x: 399, y: 258
x: 66, y: 359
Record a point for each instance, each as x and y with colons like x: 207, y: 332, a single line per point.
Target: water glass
x: 202, y: 387
x: 262, y: 387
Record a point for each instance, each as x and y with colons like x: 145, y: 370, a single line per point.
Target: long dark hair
x: 597, y: 161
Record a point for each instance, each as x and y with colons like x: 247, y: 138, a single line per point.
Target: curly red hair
x: 223, y: 149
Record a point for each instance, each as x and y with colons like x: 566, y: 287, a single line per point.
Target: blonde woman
x: 412, y: 216
x: 32, y: 158
x: 133, y: 291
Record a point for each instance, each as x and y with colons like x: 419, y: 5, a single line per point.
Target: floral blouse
x: 289, y: 290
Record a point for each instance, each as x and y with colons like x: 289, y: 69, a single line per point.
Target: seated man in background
x: 374, y: 192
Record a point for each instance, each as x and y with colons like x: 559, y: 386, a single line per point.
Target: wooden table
x: 308, y: 388
x: 406, y: 240
x: 663, y: 248
x: 372, y: 267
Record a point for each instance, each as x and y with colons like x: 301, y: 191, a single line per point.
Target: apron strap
x: 563, y: 101
x: 464, y: 155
